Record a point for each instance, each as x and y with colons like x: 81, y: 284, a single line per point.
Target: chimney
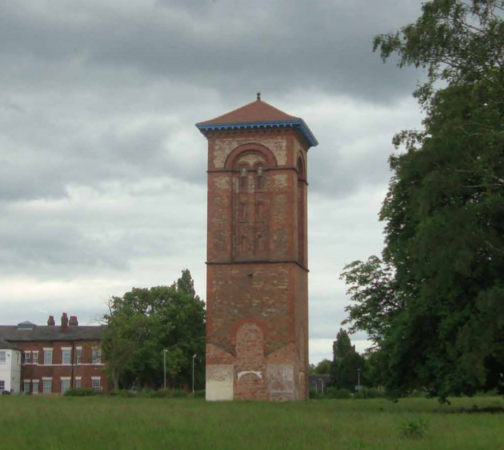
x: 50, y: 321
x: 64, y: 322
x: 73, y: 321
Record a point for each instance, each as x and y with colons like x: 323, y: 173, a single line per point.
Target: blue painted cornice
x: 298, y: 124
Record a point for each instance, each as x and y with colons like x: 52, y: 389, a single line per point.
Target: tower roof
x: 257, y: 114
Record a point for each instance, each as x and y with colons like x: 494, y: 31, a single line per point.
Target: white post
x: 194, y: 356
x: 164, y: 357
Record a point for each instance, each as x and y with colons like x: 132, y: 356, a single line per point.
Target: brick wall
x: 257, y: 281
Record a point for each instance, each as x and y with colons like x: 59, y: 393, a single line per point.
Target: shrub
x: 180, y: 394
x: 338, y: 393
x: 82, y: 392
x: 414, y: 429
x: 122, y: 394
x: 200, y: 394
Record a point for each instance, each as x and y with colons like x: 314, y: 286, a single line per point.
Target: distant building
x: 51, y: 359
x: 10, y: 367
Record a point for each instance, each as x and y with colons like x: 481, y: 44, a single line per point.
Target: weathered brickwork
x: 257, y: 277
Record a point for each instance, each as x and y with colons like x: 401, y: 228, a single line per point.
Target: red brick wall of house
x: 257, y: 278
x: 86, y: 369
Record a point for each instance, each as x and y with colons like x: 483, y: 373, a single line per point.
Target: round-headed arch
x: 250, y: 148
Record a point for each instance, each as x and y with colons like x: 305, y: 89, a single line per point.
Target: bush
x: 414, y: 429
x: 180, y: 394
x: 122, y: 394
x: 338, y: 393
x: 200, y: 394
x: 82, y: 392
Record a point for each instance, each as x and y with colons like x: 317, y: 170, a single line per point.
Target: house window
x: 47, y: 385
x: 78, y: 382
x: 3, y: 357
x: 65, y: 384
x: 66, y: 356
x: 35, y: 357
x: 35, y: 386
x: 78, y: 355
x: 2, y: 386
x: 96, y: 355
x: 27, y: 357
x: 96, y: 383
x: 26, y: 388
x: 48, y: 356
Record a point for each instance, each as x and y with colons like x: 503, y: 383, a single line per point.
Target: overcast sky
x: 103, y: 174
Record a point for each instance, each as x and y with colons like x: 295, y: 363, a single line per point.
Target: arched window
x: 243, y: 178
x: 301, y: 213
x: 260, y: 178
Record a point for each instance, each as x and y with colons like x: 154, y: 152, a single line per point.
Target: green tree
x: 434, y: 303
x: 143, y: 323
x: 322, y: 368
x: 346, y: 363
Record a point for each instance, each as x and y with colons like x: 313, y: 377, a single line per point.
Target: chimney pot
x: 51, y: 322
x: 73, y: 321
x: 64, y: 322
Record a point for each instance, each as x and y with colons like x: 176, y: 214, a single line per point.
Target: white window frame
x: 68, y: 380
x: 35, y: 357
x: 78, y: 355
x: 69, y: 353
x: 47, y: 351
x: 27, y: 357
x: 99, y: 386
x: 44, y: 380
x: 3, y: 356
x: 27, y: 382
x: 96, y: 355
x: 35, y: 386
x: 78, y: 382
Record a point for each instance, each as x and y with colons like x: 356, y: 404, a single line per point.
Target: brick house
x: 57, y: 358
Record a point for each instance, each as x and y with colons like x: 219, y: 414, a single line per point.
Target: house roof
x: 4, y: 345
x: 258, y: 114
x: 12, y: 333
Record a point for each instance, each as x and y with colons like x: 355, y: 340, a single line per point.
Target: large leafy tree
x: 346, y: 363
x: 434, y: 302
x: 143, y: 323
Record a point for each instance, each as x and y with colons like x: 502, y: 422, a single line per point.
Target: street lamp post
x: 193, y: 358
x: 164, y: 358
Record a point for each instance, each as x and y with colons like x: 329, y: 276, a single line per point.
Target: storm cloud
x: 102, y: 172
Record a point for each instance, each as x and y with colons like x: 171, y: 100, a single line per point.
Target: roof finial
x: 258, y: 96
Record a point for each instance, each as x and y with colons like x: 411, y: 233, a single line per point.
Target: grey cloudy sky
x: 102, y: 172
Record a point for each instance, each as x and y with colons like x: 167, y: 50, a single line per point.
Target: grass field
x: 121, y: 423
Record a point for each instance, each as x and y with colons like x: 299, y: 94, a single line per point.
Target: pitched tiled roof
x: 257, y: 111
x: 12, y: 333
x: 4, y: 345
x: 257, y: 115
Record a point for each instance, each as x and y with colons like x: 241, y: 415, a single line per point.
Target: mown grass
x: 120, y: 423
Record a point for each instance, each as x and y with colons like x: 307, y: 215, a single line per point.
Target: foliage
x: 333, y: 392
x: 82, y: 392
x: 414, y: 429
x: 434, y: 303
x: 322, y: 368
x: 346, y: 363
x: 143, y: 323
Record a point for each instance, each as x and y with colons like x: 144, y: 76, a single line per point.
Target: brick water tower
x: 257, y: 269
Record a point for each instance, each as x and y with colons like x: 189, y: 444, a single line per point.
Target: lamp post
x: 164, y: 357
x: 193, y: 358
